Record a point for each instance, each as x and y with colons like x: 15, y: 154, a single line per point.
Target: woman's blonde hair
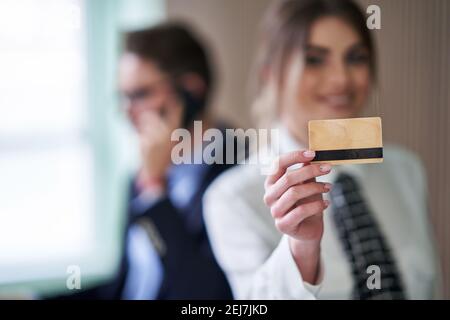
x: 284, y: 31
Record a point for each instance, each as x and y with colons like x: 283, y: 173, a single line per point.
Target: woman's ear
x: 193, y: 83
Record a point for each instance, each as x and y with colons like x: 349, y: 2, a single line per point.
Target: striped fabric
x: 363, y: 243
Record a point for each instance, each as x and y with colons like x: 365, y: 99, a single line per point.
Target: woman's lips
x: 336, y: 101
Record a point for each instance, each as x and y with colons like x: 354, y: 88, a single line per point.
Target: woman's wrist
x: 307, y: 258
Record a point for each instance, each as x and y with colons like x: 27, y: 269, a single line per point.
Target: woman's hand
x: 296, y: 204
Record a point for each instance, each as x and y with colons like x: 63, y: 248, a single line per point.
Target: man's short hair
x: 175, y: 49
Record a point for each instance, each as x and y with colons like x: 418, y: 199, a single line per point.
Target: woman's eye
x: 357, y: 58
x: 313, y: 60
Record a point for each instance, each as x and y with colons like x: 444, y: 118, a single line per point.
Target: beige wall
x: 231, y: 25
x: 413, y: 96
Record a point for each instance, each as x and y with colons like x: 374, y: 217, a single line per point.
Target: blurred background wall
x: 412, y: 98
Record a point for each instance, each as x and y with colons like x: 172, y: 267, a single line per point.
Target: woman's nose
x: 338, y: 76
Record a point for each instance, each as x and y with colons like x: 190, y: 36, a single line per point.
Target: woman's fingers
x: 294, y: 177
x: 294, y: 196
x: 289, y: 222
x: 295, y: 193
x: 286, y: 160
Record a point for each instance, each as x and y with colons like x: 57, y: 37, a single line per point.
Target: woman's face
x: 335, y: 79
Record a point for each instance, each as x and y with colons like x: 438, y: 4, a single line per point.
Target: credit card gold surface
x: 346, y: 134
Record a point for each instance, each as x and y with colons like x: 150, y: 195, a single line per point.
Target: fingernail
x: 327, y: 186
x: 325, y: 167
x: 326, y: 203
x: 309, y: 153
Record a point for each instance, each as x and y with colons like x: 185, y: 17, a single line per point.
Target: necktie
x: 145, y: 272
x: 363, y: 242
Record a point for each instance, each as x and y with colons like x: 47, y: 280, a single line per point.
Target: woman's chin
x: 339, y: 112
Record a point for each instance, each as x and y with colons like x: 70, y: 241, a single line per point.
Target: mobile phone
x: 192, y: 106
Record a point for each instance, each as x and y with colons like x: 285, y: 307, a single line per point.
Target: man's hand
x: 155, y: 128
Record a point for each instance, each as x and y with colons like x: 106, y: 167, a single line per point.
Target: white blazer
x: 256, y: 257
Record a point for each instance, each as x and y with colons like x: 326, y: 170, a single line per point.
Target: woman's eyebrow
x: 357, y: 46
x: 318, y: 49
x: 323, y: 50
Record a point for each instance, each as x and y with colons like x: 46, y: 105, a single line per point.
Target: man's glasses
x: 135, y: 97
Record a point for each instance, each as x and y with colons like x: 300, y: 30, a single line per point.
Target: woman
x: 287, y: 235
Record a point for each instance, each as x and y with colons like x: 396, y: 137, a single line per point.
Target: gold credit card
x: 345, y: 141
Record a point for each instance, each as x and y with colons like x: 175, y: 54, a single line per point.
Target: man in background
x: 166, y: 80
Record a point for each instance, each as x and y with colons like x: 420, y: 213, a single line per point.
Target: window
x: 65, y: 151
x: 46, y: 159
